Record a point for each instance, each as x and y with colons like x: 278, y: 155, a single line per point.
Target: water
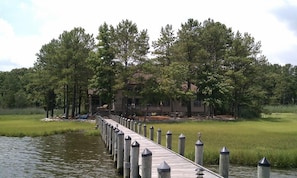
x: 67, y: 155
x: 77, y: 155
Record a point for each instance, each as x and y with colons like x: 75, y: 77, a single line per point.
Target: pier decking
x: 180, y: 167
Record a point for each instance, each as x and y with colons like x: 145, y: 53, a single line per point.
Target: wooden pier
x: 180, y: 167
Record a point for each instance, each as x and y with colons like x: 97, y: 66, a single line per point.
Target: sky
x: 26, y: 25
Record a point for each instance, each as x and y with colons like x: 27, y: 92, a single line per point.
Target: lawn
x: 273, y: 136
x: 31, y: 125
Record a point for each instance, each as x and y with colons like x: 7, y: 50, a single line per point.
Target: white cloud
x: 19, y: 50
x: 56, y: 16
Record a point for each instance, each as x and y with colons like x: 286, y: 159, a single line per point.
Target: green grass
x: 31, y: 125
x: 273, y: 136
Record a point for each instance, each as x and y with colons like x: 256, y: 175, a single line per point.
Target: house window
x: 166, y: 103
x: 197, y: 103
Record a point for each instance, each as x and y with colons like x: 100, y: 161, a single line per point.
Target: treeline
x: 206, y: 61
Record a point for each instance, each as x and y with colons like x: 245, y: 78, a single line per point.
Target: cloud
x: 29, y: 24
x: 7, y: 65
x: 16, y: 51
x: 288, y: 15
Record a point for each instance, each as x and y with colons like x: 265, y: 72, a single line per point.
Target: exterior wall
x: 171, y: 107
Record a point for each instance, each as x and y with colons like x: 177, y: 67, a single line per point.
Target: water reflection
x: 68, y: 155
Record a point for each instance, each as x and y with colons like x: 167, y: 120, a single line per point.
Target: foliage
x: 104, y: 67
x: 63, y: 63
x: 205, y: 61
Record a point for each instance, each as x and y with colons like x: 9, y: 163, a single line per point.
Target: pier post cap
x: 181, y: 136
x: 144, y: 125
x: 146, y: 152
x: 127, y: 137
x: 116, y: 130
x: 224, y: 151
x: 264, y: 162
x: 120, y: 132
x: 199, y: 143
x: 135, y: 144
x: 139, y: 123
x: 152, y: 127
x: 159, y: 130
x: 169, y: 132
x: 163, y: 167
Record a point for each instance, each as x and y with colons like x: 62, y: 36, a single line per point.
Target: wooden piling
x: 146, y: 164
x: 159, y: 136
x: 169, y: 139
x: 120, y: 152
x: 127, y: 156
x: 134, y: 164
x: 263, y: 168
x: 224, y: 162
x: 164, y: 170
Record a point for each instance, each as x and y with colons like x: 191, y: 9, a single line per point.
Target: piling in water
x: 263, y: 168
x: 224, y: 162
x: 199, y: 152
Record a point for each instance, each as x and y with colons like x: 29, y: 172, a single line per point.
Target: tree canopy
x: 229, y: 73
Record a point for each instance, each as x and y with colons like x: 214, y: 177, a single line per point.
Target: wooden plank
x: 179, y: 165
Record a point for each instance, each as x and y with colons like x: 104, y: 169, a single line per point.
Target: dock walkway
x: 180, y: 166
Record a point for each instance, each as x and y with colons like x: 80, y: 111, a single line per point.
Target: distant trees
x: 227, y: 69
x: 13, y: 91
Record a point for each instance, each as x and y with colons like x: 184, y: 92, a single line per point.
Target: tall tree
x: 103, y: 64
x: 163, y: 47
x: 64, y: 63
x: 215, y: 39
x: 131, y: 48
x: 243, y: 57
x: 187, y: 48
x: 75, y: 48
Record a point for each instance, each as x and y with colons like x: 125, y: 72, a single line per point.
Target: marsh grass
x: 281, y: 109
x: 273, y: 136
x: 31, y: 125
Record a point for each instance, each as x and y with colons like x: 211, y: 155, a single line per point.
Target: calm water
x: 68, y: 155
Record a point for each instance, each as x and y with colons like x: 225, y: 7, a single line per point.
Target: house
x: 130, y: 106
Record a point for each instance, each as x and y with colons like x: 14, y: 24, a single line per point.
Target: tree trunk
x: 79, y: 101
x: 73, y: 102
x: 189, y: 102
x: 66, y: 107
